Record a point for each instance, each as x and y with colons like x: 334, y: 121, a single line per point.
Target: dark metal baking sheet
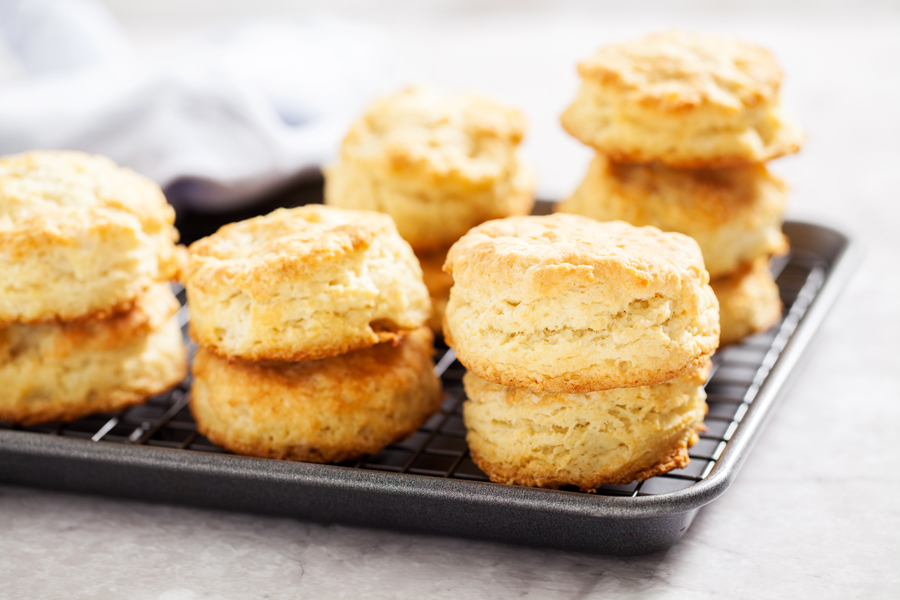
x: 428, y: 483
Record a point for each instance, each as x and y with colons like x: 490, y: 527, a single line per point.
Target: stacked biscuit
x: 438, y: 164
x: 310, y: 323
x: 587, y: 346
x: 86, y: 314
x: 683, y: 124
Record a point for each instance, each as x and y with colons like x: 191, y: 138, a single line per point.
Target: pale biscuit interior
x: 547, y: 439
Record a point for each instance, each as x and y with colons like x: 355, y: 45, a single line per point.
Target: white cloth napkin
x: 217, y: 120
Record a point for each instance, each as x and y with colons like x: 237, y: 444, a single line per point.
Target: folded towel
x: 218, y: 120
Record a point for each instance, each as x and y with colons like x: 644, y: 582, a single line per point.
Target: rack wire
x: 438, y: 448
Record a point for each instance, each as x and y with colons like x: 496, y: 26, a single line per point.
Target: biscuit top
x: 676, y: 70
x: 423, y: 132
x: 290, y: 240
x: 562, y: 252
x: 57, y: 191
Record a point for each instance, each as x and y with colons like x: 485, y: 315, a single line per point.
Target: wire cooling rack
x: 438, y: 448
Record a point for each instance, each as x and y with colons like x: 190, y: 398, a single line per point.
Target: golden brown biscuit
x: 61, y: 372
x: 438, y: 163
x: 79, y: 237
x: 326, y: 410
x: 749, y: 302
x: 564, y: 303
x: 548, y: 440
x: 304, y: 283
x: 438, y: 284
x: 734, y: 214
x: 683, y: 99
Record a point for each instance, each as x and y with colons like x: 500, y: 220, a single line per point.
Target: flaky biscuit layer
x: 749, y: 302
x: 61, y: 372
x: 683, y: 99
x: 304, y: 283
x: 566, y: 304
x: 540, y: 439
x: 438, y: 163
x: 326, y: 410
x: 79, y: 237
x: 735, y: 215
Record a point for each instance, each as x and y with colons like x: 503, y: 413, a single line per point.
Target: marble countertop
x: 815, y: 512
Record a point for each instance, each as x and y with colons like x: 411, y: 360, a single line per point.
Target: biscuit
x: 302, y: 284
x: 438, y: 163
x: 79, y: 237
x: 563, y: 303
x: 734, y: 214
x: 61, y: 372
x: 548, y: 440
x: 683, y: 99
x: 326, y: 410
x: 438, y: 284
x: 749, y: 302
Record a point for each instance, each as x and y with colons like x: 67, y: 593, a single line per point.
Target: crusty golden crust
x: 303, y: 284
x: 780, y: 148
x: 678, y: 72
x: 327, y: 410
x: 559, y: 253
x: 564, y: 303
x: 110, y: 401
x: 79, y: 237
x: 593, y: 377
x: 683, y: 99
x: 438, y: 163
x: 150, y: 311
x: 735, y: 215
x: 677, y: 458
x: 61, y: 372
x: 521, y: 437
x: 749, y: 302
x: 299, y: 353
